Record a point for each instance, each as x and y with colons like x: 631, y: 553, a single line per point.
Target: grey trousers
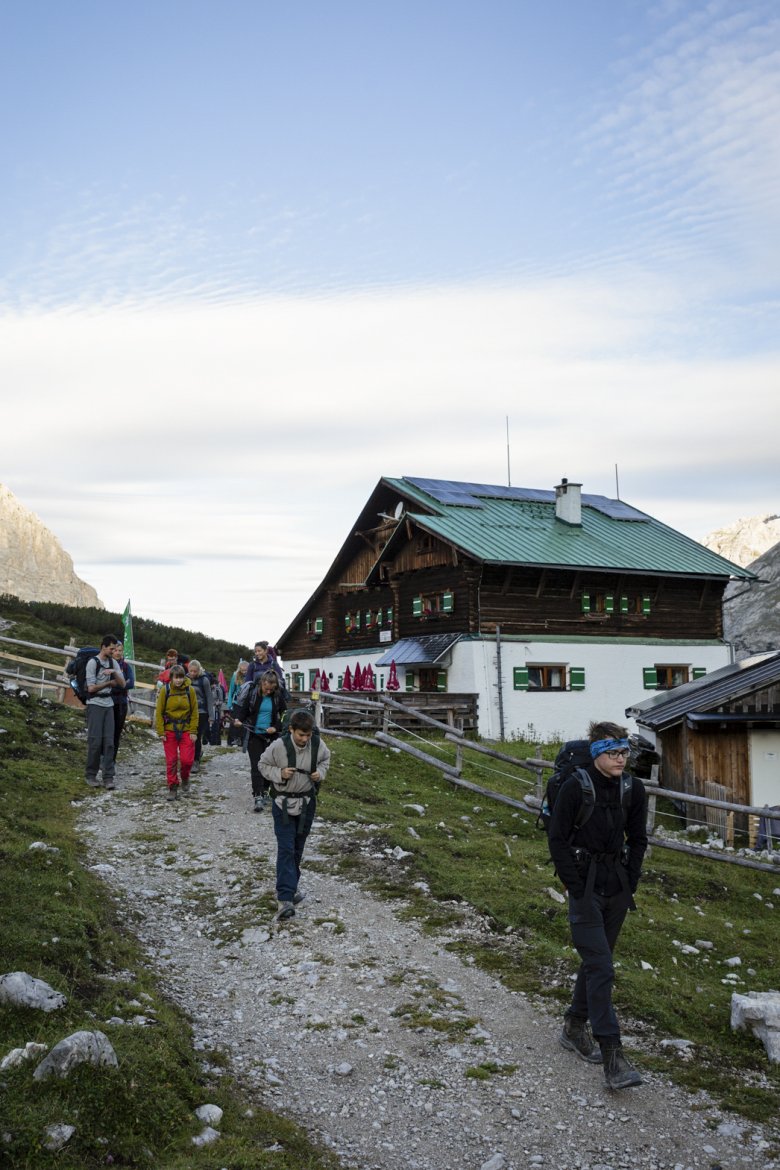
x: 100, y: 741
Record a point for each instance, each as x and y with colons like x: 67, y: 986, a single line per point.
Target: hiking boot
x: 286, y: 910
x: 576, y: 1037
x: 298, y: 898
x: 93, y: 782
x: 195, y: 768
x: 619, y: 1072
x: 109, y: 785
x: 185, y: 787
x: 260, y: 803
x: 173, y: 792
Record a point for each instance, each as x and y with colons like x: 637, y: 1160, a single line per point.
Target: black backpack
x: 574, y: 758
x: 76, y: 670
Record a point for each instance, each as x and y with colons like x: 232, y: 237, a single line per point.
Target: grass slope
x: 473, y: 852
x: 62, y: 928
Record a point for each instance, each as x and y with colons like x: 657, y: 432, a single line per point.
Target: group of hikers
x: 594, y: 811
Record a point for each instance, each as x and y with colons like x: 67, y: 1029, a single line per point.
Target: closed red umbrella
x: 357, y: 678
x: 347, y: 683
x: 392, y: 679
x: 369, y: 679
x: 315, y: 682
x: 324, y: 684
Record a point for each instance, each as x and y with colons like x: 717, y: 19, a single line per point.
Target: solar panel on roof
x: 615, y: 509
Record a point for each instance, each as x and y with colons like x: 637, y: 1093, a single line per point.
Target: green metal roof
x: 519, y: 526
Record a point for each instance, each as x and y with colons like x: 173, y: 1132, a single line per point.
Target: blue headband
x: 607, y: 745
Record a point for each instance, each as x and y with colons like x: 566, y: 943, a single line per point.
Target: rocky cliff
x: 751, y: 609
x: 33, y: 564
x: 745, y: 540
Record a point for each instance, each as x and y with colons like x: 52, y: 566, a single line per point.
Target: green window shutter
x: 577, y: 678
x: 650, y: 678
x: 645, y: 605
x: 368, y: 617
x: 318, y: 625
x: 699, y: 671
x: 609, y: 603
x: 624, y: 604
x: 389, y: 615
x: 520, y: 678
x: 379, y: 617
x: 441, y: 680
x: 340, y: 682
x: 357, y: 620
x: 586, y: 603
x: 347, y: 621
x: 447, y: 602
x: 410, y: 680
x: 417, y: 607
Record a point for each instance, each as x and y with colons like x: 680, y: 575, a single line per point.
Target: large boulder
x: 80, y: 1048
x: 759, y: 1011
x: 22, y: 990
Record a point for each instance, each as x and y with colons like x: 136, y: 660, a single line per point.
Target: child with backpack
x: 597, y: 839
x: 295, y: 765
x: 176, y: 723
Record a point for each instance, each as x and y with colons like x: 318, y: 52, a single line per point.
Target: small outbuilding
x: 723, y: 728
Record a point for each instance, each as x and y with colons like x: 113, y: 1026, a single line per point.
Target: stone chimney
x: 568, y: 502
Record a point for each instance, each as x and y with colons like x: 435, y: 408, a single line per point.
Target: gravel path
x: 357, y: 1025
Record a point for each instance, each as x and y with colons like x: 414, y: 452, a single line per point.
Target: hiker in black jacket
x: 600, y: 863
x: 260, y: 709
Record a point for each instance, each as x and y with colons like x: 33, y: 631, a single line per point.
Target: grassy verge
x: 471, y: 852
x: 59, y: 925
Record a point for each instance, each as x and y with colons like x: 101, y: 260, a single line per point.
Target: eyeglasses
x: 619, y: 754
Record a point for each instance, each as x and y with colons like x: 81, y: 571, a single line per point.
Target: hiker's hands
x: 315, y: 776
x: 288, y: 773
x: 270, y: 731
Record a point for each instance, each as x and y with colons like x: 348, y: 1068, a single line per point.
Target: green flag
x: 127, y: 623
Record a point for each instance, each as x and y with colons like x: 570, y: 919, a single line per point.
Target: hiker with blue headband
x: 597, y: 838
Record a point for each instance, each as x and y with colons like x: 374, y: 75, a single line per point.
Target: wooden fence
x: 49, y: 678
x: 352, y: 716
x: 535, y: 770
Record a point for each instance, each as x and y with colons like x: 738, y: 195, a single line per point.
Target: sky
x: 255, y: 256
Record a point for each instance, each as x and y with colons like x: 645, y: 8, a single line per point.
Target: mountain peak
x: 33, y: 564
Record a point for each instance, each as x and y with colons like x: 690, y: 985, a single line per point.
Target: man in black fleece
x: 600, y: 864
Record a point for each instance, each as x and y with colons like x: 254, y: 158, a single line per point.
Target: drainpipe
x: 500, y: 684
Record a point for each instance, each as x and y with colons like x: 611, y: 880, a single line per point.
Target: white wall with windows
x: 551, y: 689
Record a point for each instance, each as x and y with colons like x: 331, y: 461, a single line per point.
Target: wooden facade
x: 348, y: 614
x: 707, y: 732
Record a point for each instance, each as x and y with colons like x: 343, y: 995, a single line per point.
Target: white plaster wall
x: 613, y: 681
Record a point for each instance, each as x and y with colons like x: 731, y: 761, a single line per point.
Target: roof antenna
x: 508, y: 471
x: 617, y: 484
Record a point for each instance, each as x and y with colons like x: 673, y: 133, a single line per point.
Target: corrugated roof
x: 711, y: 690
x: 426, y: 649
x: 519, y: 526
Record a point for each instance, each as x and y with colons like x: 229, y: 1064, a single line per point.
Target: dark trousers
x: 595, y: 927
x: 203, y: 734
x: 256, y: 745
x: 120, y: 715
x: 100, y: 741
x: 290, y: 842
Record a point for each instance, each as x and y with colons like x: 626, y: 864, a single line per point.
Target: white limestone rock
x: 556, y: 895
x: 57, y: 1136
x: 206, y: 1137
x: 22, y: 990
x: 209, y: 1114
x: 79, y: 1048
x: 759, y: 1011
x: 18, y: 1056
